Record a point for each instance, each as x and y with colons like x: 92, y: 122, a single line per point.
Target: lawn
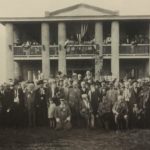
x: 76, y: 139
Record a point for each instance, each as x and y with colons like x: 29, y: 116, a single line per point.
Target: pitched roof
x: 81, y: 10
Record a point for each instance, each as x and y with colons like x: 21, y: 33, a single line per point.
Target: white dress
x: 51, y: 110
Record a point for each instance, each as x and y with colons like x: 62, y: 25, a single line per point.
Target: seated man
x: 63, y: 116
x: 120, y: 111
x: 105, y: 112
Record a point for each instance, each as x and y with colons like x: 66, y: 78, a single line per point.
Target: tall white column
x: 148, y: 68
x: 17, y: 70
x: 115, y: 49
x: 99, y: 41
x: 30, y: 75
x: 16, y: 34
x: 62, y: 51
x: 9, y: 52
x: 45, y: 51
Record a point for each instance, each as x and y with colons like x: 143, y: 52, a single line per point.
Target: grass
x: 76, y: 139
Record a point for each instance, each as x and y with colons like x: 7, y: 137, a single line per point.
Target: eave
x: 74, y: 18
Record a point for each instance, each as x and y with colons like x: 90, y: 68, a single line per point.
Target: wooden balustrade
x: 27, y: 51
x: 139, y: 49
x: 82, y: 49
x: 107, y: 49
x: 53, y: 50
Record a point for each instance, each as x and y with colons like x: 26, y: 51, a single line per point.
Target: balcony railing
x: 81, y: 50
x: 31, y: 51
x: 139, y: 49
x: 53, y: 50
x: 107, y: 49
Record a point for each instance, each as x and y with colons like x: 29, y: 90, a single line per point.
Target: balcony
x: 107, y: 49
x: 81, y: 50
x: 53, y: 50
x: 139, y: 49
x: 32, y: 51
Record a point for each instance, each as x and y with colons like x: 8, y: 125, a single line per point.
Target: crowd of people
x: 76, y: 102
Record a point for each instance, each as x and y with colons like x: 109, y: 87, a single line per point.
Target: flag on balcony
x: 79, y: 37
x: 84, y: 28
x: 82, y: 31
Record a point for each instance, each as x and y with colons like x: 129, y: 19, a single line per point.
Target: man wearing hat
x: 63, y: 116
x: 41, y: 100
x: 134, y: 99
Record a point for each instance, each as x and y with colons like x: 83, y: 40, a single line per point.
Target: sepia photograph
x: 74, y: 75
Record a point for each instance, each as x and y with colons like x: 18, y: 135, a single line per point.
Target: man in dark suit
x: 19, y: 106
x: 30, y: 104
x: 8, y: 105
x: 74, y: 97
x: 134, y: 99
x: 41, y: 105
x: 2, y: 98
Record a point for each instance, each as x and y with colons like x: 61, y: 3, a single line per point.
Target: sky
x: 36, y: 8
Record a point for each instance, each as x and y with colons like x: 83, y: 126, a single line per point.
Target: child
x: 51, y: 111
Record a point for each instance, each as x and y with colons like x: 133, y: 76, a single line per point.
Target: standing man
x: 74, y: 98
x: 94, y: 96
x: 2, y: 99
x: 30, y: 104
x: 41, y: 105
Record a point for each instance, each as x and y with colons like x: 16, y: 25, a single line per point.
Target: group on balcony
x: 134, y: 40
x: 26, y: 43
x: 107, y: 40
x: 83, y: 46
x: 136, y: 44
x: 28, y: 47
